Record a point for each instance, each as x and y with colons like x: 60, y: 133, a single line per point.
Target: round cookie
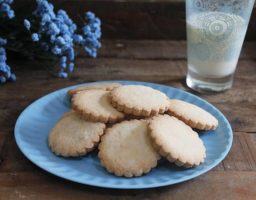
x: 73, y: 136
x: 192, y: 115
x: 94, y: 105
x: 139, y: 100
x: 126, y: 149
x: 176, y: 141
x: 104, y: 86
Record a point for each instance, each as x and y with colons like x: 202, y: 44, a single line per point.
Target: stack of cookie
x: 133, y: 127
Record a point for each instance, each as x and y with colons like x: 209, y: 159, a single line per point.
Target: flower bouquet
x: 49, y: 32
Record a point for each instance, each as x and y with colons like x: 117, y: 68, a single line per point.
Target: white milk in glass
x: 214, y: 43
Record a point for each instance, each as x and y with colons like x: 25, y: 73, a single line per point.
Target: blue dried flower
x: 89, y: 15
x: 45, y: 19
x: 62, y: 15
x: 60, y: 40
x: 91, y: 34
x: 12, y: 78
x: 71, y: 54
x: 86, y: 30
x: 2, y: 79
x: 63, y: 62
x: 53, y: 29
x: 56, y: 50
x: 5, y: 9
x: 71, y: 67
x: 62, y: 74
x: 57, y: 33
x: 68, y: 39
x: 5, y: 70
x: 27, y: 24
x: 44, y: 7
x: 53, y: 39
x: 91, y: 52
x: 3, y: 58
x: 3, y: 41
x: 78, y: 39
x: 35, y: 37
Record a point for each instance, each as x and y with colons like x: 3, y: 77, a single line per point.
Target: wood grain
x: 242, y: 156
x: 130, y: 19
x: 240, y: 163
x: 226, y: 185
x: 2, y: 142
x: 155, y: 61
x: 157, y: 49
x: 161, y: 71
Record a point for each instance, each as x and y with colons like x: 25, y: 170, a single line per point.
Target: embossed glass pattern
x: 215, y: 35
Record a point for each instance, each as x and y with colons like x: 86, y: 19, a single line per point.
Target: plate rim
x: 166, y: 183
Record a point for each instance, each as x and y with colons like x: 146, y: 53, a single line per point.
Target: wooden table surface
x: 154, y: 61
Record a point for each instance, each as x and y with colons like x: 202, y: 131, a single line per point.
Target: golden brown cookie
x: 73, y: 136
x: 94, y: 105
x: 192, y: 115
x: 176, y: 141
x: 126, y: 149
x: 139, y: 100
x: 104, y: 86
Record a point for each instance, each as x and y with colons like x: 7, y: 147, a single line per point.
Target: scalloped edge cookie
x: 103, y: 86
x: 126, y: 149
x: 176, y: 141
x: 192, y: 115
x: 94, y: 105
x: 139, y: 100
x: 72, y: 136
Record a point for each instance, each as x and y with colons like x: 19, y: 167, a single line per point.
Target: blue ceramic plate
x: 35, y: 122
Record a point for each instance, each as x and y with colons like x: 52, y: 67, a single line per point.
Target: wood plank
x: 12, y: 160
x: 156, y: 49
x: 242, y: 156
x: 228, y: 185
x: 234, y: 178
x: 157, y: 20
x: 233, y: 112
x: 111, y: 68
x: 2, y: 142
x: 240, y: 99
x: 134, y: 19
x: 143, y: 49
x: 161, y: 71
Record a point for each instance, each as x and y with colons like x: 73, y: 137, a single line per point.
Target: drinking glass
x: 215, y: 35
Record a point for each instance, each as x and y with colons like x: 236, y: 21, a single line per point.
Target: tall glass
x: 215, y: 35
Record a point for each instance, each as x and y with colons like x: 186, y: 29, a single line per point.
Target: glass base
x: 204, y: 84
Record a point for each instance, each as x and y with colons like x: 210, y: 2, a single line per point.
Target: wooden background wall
x: 132, y: 19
